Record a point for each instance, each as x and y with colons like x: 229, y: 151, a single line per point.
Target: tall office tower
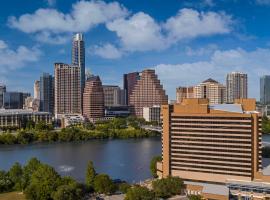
x: 237, y: 86
x: 93, y: 99
x: 47, y: 93
x: 147, y: 92
x: 13, y: 100
x: 209, y: 144
x: 184, y: 93
x: 265, y: 90
x: 67, y: 89
x: 129, y: 82
x: 212, y: 90
x: 112, y: 95
x: 2, y: 91
x: 36, y: 90
x: 78, y: 55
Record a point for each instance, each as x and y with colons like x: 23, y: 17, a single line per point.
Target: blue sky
x: 186, y: 41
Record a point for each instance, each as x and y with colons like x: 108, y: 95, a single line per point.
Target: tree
x: 167, y: 187
x: 16, y: 173
x: 194, y: 197
x: 68, y: 192
x: 43, y: 183
x: 32, y: 165
x: 24, y: 137
x: 6, y: 183
x: 30, y: 124
x: 90, y: 176
x: 153, y: 165
x: 103, y: 184
x: 123, y: 187
x: 139, y: 193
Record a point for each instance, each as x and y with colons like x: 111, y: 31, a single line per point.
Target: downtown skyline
x: 219, y: 39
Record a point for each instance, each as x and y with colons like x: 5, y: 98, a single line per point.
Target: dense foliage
x: 104, y: 185
x: 194, y: 197
x: 90, y: 176
x: 40, y: 132
x: 153, y: 165
x: 265, y: 125
x: 139, y: 193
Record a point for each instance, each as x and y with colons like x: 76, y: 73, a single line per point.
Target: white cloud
x: 189, y: 23
x: 255, y: 63
x: 13, y: 59
x: 49, y: 38
x: 51, y: 2
x: 83, y: 16
x: 3, y: 45
x: 107, y: 51
x: 138, y: 33
x: 263, y: 2
x: 209, y: 49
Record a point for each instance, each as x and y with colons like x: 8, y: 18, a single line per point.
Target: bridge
x: 152, y: 128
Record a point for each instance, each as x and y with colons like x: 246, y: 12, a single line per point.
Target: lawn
x: 12, y: 196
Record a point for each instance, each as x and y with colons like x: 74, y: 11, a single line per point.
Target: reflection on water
x: 125, y: 159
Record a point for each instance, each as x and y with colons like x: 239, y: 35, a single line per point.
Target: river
x: 127, y: 159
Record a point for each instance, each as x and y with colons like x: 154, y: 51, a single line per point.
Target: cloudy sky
x: 186, y: 41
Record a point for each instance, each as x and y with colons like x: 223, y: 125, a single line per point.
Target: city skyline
x: 232, y: 41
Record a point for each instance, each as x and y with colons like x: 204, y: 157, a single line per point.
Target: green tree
x: 167, y: 187
x: 25, y: 137
x: 6, y: 183
x: 90, y: 176
x: 153, y: 165
x: 30, y: 124
x: 194, y: 197
x: 139, y: 193
x: 68, y: 192
x: 103, y: 184
x: 16, y: 174
x: 31, y: 166
x: 123, y: 187
x: 43, y: 183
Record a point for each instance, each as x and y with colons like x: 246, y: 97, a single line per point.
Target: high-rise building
x: 212, y: 90
x: 93, y: 99
x: 78, y: 55
x: 2, y: 91
x: 31, y: 103
x: 47, y: 93
x: 67, y: 89
x: 152, y: 114
x: 36, y: 90
x: 184, y: 93
x: 265, y: 90
x: 112, y: 95
x: 215, y: 149
x: 129, y: 82
x: 237, y: 86
x: 14, y: 100
x: 147, y: 92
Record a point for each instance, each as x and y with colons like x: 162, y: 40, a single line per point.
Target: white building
x: 152, y: 114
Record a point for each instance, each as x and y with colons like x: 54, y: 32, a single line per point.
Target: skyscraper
x: 67, y: 86
x: 129, y: 82
x: 184, y: 93
x: 46, y: 93
x: 265, y: 90
x: 93, y: 99
x: 2, y: 91
x: 237, y: 86
x: 36, y: 90
x: 14, y: 100
x: 212, y: 90
x: 112, y: 95
x: 78, y: 55
x: 147, y: 92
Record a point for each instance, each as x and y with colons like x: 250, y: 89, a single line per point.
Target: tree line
x: 42, y: 132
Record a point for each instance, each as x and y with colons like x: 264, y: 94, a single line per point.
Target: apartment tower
x: 184, y: 93
x: 67, y: 89
x: 36, y: 90
x: 93, y: 99
x: 113, y: 95
x: 265, y: 90
x: 237, y: 86
x: 212, y: 90
x: 3, y: 89
x: 147, y: 92
x: 47, y: 93
x: 78, y: 55
x: 129, y: 82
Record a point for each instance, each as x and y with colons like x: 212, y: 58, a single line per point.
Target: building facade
x: 37, y: 90
x: 47, y: 93
x: 17, y: 118
x: 212, y: 90
x: 78, y: 56
x: 2, y: 91
x: 184, y: 93
x: 129, y: 82
x: 112, y: 95
x: 152, y: 114
x: 67, y: 86
x: 14, y: 100
x: 218, y: 145
x: 30, y: 103
x: 265, y: 90
x: 93, y: 99
x: 147, y: 92
x: 237, y: 86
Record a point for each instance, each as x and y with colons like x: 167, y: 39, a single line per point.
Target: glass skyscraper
x: 265, y: 90
x: 46, y: 85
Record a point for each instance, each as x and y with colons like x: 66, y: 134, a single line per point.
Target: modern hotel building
x: 215, y: 148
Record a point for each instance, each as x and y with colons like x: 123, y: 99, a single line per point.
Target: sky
x: 185, y: 41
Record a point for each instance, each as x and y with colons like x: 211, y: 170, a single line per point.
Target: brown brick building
x: 147, y: 92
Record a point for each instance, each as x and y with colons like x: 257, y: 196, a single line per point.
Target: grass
x: 12, y: 196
